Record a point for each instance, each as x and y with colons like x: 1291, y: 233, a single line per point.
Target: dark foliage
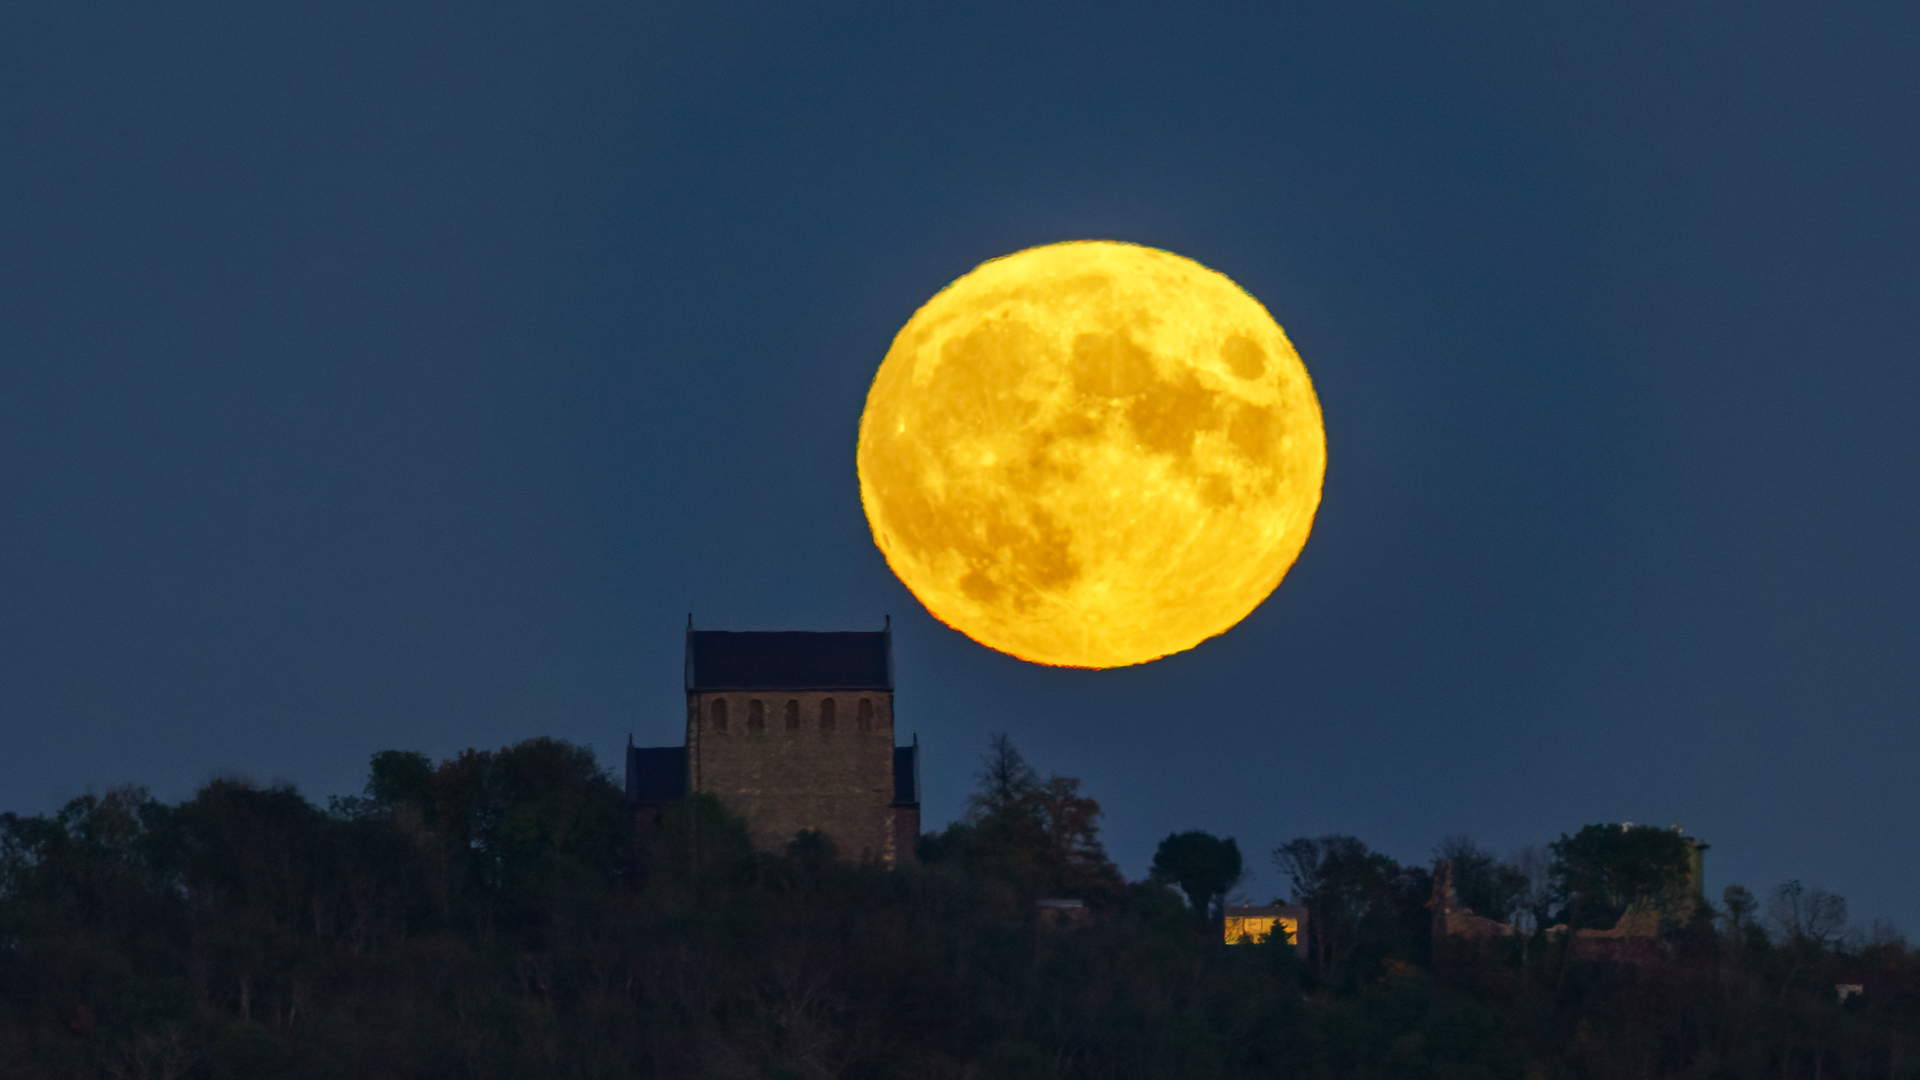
x: 1603, y: 871
x: 1201, y: 865
x: 1037, y: 837
x: 500, y: 914
x: 1483, y: 882
x: 1363, y: 909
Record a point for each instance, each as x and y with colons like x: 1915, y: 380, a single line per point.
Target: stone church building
x: 792, y: 731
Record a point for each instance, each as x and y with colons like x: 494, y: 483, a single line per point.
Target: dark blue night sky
x: 401, y: 376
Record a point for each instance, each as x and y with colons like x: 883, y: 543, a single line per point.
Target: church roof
x: 906, y: 774
x: 789, y: 660
x: 656, y: 774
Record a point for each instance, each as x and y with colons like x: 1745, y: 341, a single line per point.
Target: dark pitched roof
x: 656, y: 774
x: 906, y: 774
x: 789, y: 660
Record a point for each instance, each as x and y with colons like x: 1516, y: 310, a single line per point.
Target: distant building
x: 1633, y: 939
x: 1696, y: 867
x: 1450, y: 920
x: 1253, y: 925
x: 1058, y: 914
x: 792, y: 731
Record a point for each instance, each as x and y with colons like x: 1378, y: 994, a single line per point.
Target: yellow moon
x: 1091, y: 454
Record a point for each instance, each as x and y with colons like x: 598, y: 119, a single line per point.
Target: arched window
x: 718, y: 710
x: 826, y: 714
x: 863, y: 718
x: 793, y: 715
x: 756, y: 716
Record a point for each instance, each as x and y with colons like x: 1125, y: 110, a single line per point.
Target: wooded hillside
x: 495, y: 915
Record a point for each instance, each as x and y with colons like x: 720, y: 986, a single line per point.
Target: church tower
x: 793, y: 731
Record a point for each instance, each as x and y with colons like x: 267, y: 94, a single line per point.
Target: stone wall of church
x: 788, y: 761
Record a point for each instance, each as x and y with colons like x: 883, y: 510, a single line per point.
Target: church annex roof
x: 906, y: 774
x: 657, y: 774
x: 789, y: 660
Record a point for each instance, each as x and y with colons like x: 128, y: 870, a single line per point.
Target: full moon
x: 1091, y: 454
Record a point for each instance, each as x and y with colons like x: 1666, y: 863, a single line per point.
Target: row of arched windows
x: 757, y: 715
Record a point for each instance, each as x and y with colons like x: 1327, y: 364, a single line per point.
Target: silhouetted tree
x: 1344, y: 886
x: 1005, y: 783
x: 1811, y: 916
x: 1481, y: 881
x: 1043, y: 836
x: 1603, y: 871
x: 1202, y: 865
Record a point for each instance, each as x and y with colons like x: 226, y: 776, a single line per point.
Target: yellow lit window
x: 1256, y: 930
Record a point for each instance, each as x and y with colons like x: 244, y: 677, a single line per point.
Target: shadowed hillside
x: 496, y: 915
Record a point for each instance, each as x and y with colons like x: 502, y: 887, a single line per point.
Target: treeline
x: 501, y: 914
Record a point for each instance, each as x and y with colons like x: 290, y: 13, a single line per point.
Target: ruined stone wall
x: 786, y: 761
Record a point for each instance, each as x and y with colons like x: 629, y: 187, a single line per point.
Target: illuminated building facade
x: 1252, y: 925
